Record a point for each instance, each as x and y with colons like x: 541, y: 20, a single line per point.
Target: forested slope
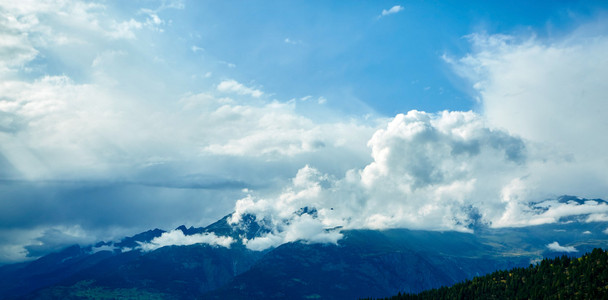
x: 562, y: 277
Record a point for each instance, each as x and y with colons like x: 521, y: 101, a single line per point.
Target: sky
x: 122, y: 116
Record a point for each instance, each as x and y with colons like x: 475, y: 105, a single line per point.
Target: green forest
x: 562, y: 277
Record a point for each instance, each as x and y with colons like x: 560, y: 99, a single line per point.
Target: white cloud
x: 393, y: 10
x: 445, y: 171
x: 300, y: 228
x: 430, y: 171
x: 550, y: 211
x: 103, y: 248
x: 16, y: 48
x: 266, y: 131
x: 232, y: 86
x: 125, y: 29
x: 551, y: 94
x: 55, y: 128
x: 555, y: 246
x: 597, y: 217
x: 177, y: 238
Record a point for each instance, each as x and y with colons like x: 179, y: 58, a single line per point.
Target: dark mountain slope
x: 48, y: 270
x: 176, y: 272
x: 372, y: 263
x: 56, y: 267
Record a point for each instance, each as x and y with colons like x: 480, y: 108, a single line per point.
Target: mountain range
x: 364, y: 263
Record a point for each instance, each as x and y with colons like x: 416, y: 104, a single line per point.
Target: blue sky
x: 343, y: 51
x: 120, y: 116
x: 347, y: 51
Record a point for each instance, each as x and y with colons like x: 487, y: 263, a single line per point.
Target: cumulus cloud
x: 302, y: 228
x: 393, y: 10
x: 549, y: 93
x: 177, y: 238
x: 445, y: 171
x: 232, y: 86
x: 555, y: 246
x: 431, y: 171
x: 293, y: 216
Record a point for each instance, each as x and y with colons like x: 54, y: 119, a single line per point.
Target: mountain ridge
x: 364, y: 263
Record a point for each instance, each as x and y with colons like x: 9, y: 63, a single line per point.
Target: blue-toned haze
x: 121, y: 116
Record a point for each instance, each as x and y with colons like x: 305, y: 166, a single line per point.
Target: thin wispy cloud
x: 292, y: 41
x: 393, y: 10
x: 196, y: 49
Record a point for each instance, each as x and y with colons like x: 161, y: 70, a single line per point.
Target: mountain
x: 121, y: 269
x: 20, y: 279
x: 380, y: 263
x: 365, y: 263
x: 174, y: 272
x: 563, y: 277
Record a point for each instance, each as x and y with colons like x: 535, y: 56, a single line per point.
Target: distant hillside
x: 562, y: 277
